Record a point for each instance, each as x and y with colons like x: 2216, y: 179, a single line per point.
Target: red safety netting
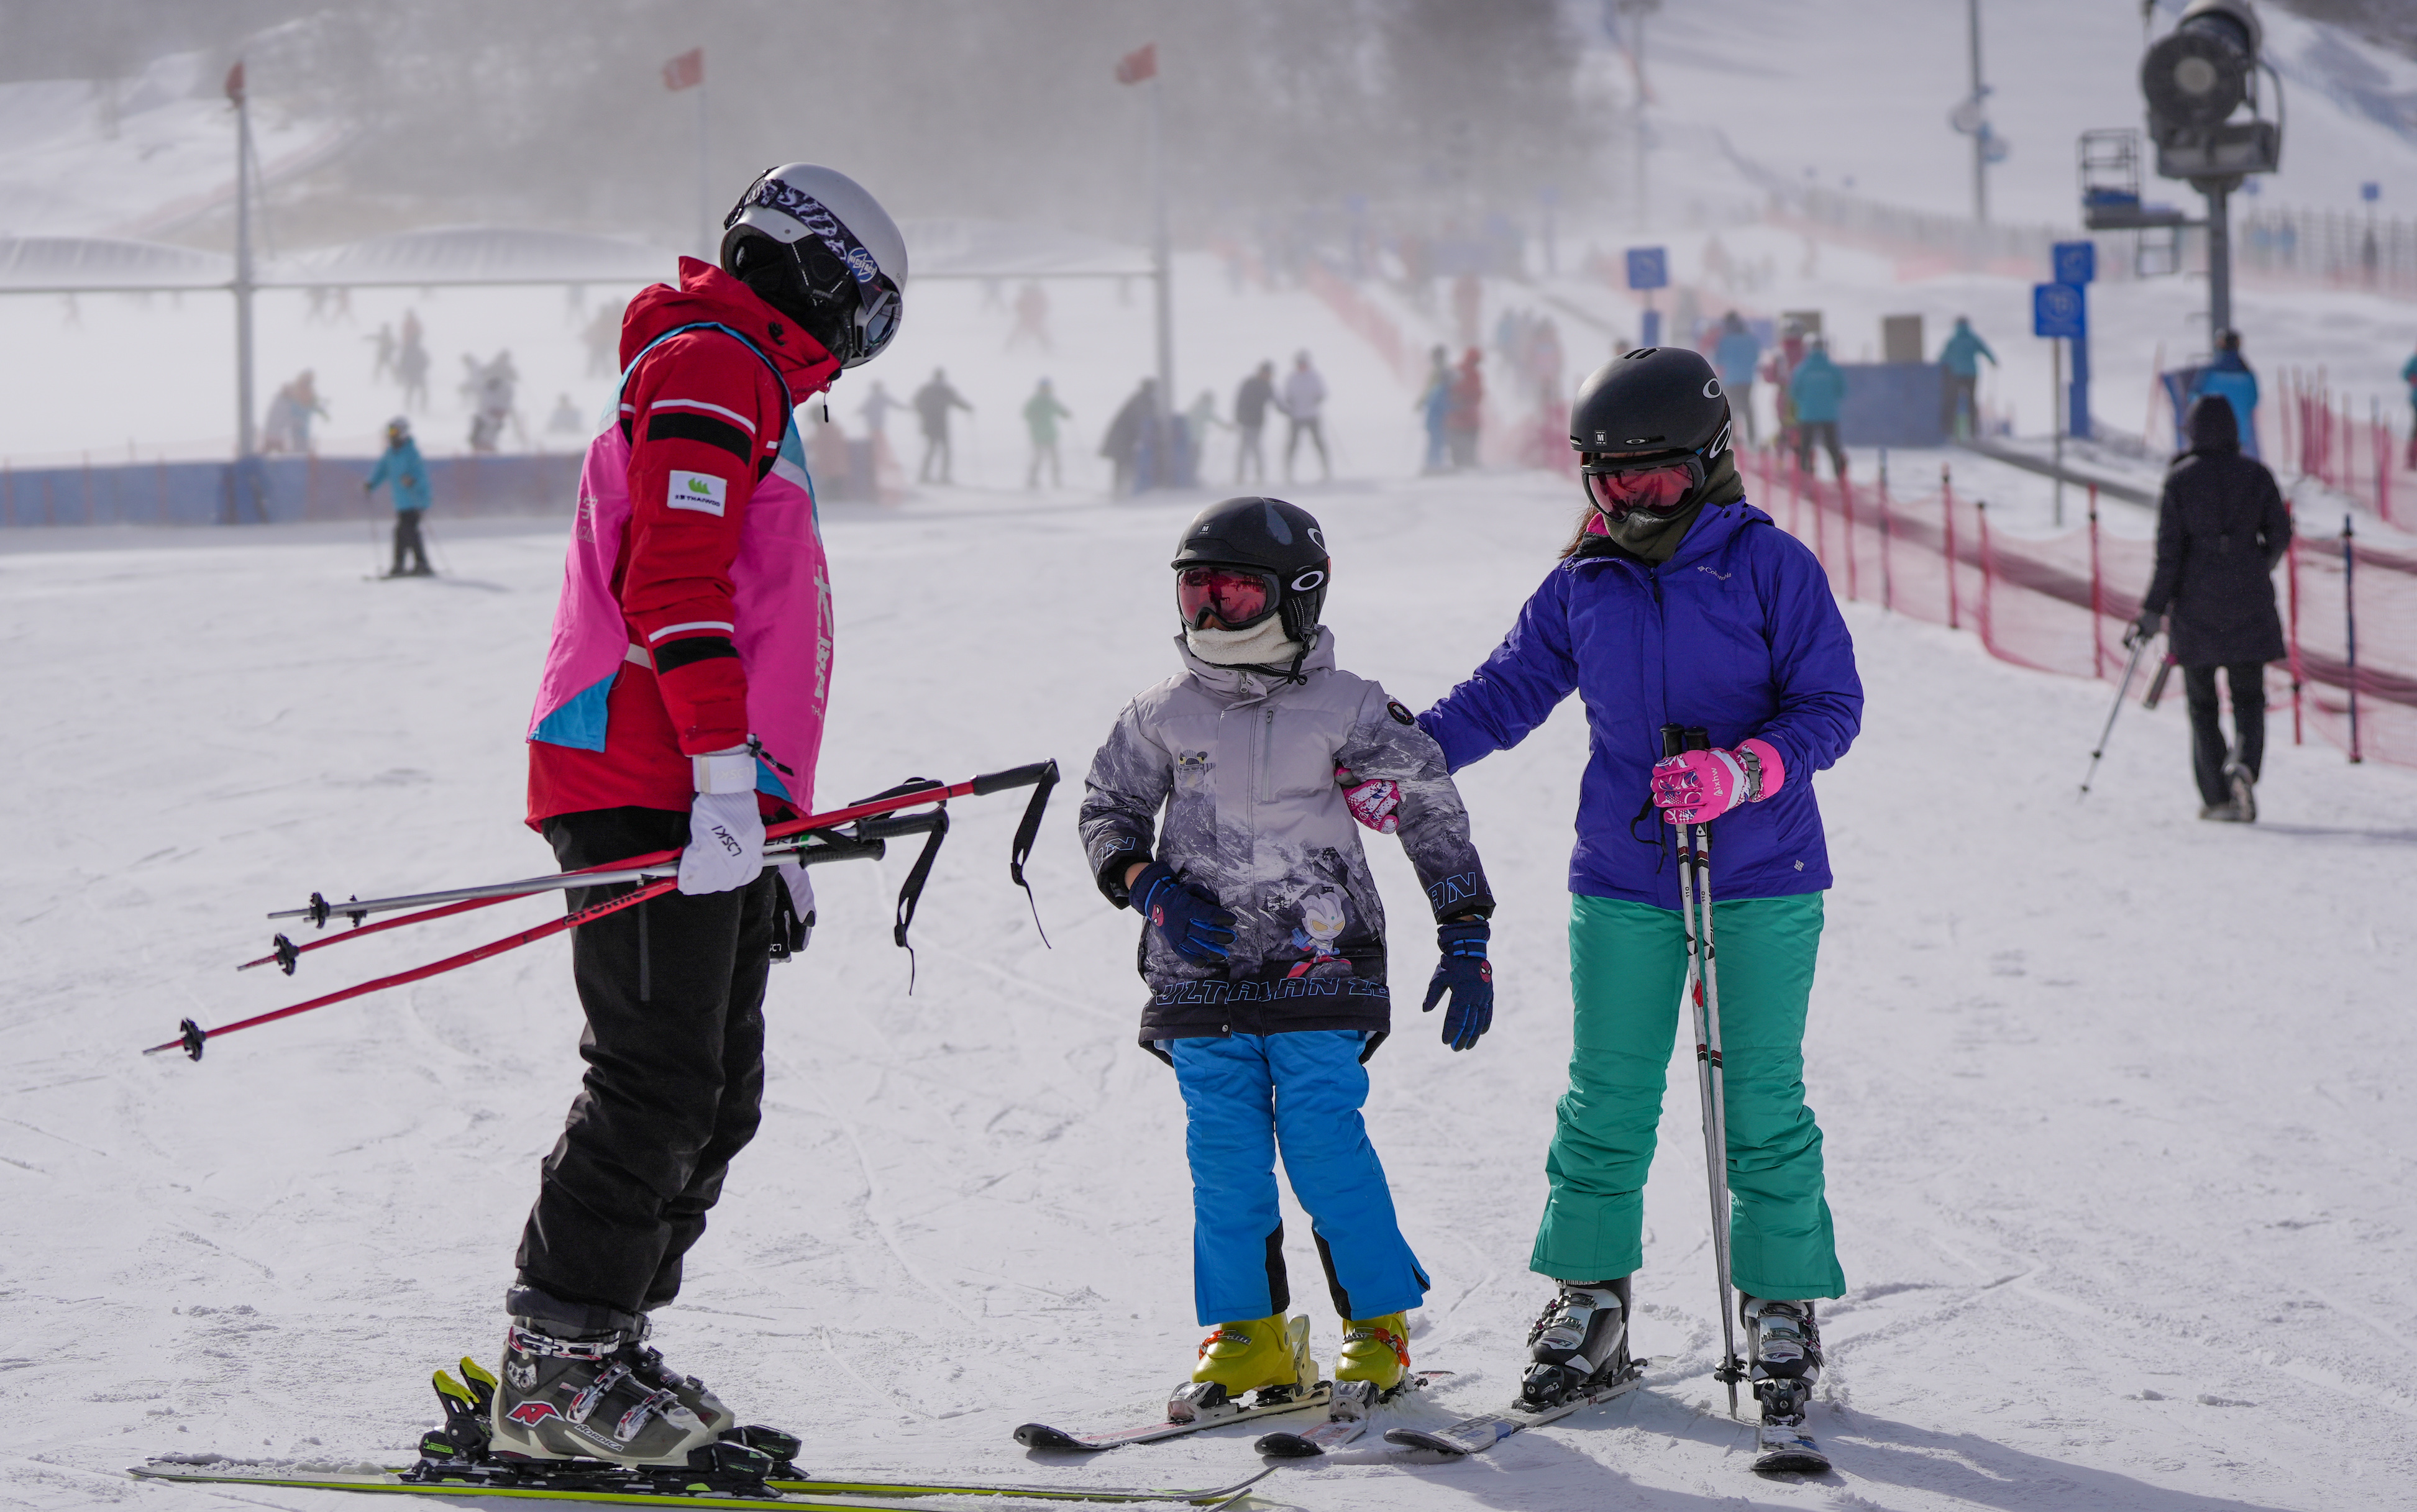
x: 2060, y: 604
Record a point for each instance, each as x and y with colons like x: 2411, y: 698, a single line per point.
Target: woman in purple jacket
x: 1678, y: 602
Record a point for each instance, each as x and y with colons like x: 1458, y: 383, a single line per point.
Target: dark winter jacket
x: 2221, y: 527
x: 1251, y: 402
x: 1243, y: 764
x: 1738, y: 633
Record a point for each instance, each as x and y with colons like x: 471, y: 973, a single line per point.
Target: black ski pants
x: 1823, y: 434
x: 2208, y: 750
x: 407, y: 542
x: 674, y: 992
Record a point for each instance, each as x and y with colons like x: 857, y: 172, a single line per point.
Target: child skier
x: 1265, y: 947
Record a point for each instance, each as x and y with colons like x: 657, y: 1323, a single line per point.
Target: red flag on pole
x: 1137, y: 64
x: 685, y: 71
x: 235, y: 84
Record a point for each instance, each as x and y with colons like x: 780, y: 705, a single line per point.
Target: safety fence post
x: 1947, y: 508
x: 2379, y: 435
x: 2291, y: 557
x: 2350, y: 633
x: 1888, y: 573
x: 2097, y: 596
x: 1795, y: 497
x: 1846, y: 511
x: 1988, y: 625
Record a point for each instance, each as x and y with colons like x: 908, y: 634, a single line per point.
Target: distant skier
x: 1031, y: 318
x: 565, y: 419
x: 2228, y: 377
x: 405, y: 476
x: 1199, y: 422
x: 933, y: 402
x: 1815, y: 392
x: 681, y: 704
x: 1264, y: 946
x: 1961, y: 356
x: 290, y: 413
x: 1735, y: 356
x: 1128, y: 443
x: 1251, y: 402
x: 411, y: 364
x: 1434, y: 409
x: 1463, y: 420
x: 1677, y: 601
x: 2222, y: 526
x: 1304, y: 404
x: 381, y: 352
x: 1041, y: 412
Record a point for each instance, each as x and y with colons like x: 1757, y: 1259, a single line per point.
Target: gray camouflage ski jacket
x: 1243, y: 764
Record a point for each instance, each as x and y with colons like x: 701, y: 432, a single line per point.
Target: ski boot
x: 1244, y: 1358
x: 578, y: 1397
x: 1783, y: 1346
x: 1581, y: 1338
x: 2245, y: 793
x: 1377, y: 1351
x: 645, y: 1362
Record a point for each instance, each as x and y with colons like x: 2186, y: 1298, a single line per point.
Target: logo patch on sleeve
x: 701, y: 492
x: 1401, y: 714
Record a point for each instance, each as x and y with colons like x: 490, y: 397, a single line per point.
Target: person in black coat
x: 2221, y: 527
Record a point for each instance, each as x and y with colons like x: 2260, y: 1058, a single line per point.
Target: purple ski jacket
x: 1738, y: 633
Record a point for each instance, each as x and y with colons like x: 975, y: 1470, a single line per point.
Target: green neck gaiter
x: 1653, y: 539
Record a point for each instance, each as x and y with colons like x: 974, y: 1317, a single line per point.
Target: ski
x: 1783, y: 1446
x: 1347, y: 1418
x: 1196, y: 1405
x: 614, y: 1487
x: 1475, y: 1435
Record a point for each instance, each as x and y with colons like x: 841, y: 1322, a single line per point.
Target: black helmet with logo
x: 1277, y: 544
x: 1649, y: 426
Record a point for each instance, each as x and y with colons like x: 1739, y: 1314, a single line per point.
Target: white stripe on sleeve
x: 695, y: 625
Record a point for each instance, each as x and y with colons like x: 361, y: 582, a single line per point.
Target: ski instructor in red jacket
x: 682, y: 706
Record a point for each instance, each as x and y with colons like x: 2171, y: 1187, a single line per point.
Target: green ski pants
x: 1627, y: 967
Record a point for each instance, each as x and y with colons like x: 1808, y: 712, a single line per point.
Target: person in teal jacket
x: 407, y: 477
x: 1960, y: 405
x: 2409, y: 376
x: 2230, y: 376
x: 1817, y: 388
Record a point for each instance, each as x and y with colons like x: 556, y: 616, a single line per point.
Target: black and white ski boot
x: 581, y: 1399
x: 1579, y: 1338
x: 645, y: 1362
x: 1783, y: 1345
x: 2245, y: 793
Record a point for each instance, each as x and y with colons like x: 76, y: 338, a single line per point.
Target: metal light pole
x: 1635, y: 11
x: 246, y: 442
x: 1159, y: 259
x: 2218, y: 192
x: 1980, y: 134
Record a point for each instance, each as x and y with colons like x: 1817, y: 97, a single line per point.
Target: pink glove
x: 1374, y: 803
x: 1697, y: 787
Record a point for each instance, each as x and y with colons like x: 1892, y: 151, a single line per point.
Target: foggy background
x: 553, y: 111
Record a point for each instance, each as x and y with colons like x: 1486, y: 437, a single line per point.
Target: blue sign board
x: 2371, y: 191
x: 2075, y: 262
x: 2059, y: 309
x: 1648, y: 267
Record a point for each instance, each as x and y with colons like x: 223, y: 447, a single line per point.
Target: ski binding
x: 1475, y: 1435
x: 1199, y: 1404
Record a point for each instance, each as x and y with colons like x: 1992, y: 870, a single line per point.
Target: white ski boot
x: 1581, y: 1337
x: 1783, y: 1345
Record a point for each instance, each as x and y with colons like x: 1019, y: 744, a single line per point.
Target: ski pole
x: 1041, y: 776
x: 1703, y: 992
x: 2122, y: 688
x: 814, y: 850
x: 192, y: 1037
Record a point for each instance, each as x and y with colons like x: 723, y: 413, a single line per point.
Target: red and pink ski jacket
x: 695, y: 606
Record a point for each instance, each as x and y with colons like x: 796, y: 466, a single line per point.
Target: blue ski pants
x: 1627, y: 967
x: 1245, y: 1096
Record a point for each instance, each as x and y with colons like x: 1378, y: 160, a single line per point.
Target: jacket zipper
x: 1266, y: 757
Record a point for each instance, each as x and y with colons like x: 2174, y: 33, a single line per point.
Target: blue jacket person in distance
x: 401, y: 469
x: 1678, y: 602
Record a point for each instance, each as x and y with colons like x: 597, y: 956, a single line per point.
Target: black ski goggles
x: 1657, y: 485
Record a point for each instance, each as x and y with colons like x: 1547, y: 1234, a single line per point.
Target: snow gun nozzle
x: 1037, y: 773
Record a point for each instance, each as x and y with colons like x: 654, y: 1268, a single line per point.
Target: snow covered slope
x: 2115, y: 1100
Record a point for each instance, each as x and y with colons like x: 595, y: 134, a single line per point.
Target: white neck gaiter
x: 1264, y: 645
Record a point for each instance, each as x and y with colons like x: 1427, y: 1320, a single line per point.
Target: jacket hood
x: 708, y: 294
x: 1242, y: 684
x: 2212, y: 426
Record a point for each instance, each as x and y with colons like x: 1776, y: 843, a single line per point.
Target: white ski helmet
x: 821, y: 249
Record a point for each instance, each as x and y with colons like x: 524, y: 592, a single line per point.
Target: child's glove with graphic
x: 1187, y: 917
x: 1376, y: 803
x: 1469, y: 976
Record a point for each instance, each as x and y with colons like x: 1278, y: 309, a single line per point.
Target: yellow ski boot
x: 1376, y: 1350
x: 1244, y: 1358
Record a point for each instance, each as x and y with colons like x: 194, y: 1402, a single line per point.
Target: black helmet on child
x: 820, y: 249
x: 1647, y: 427
x: 1247, y: 558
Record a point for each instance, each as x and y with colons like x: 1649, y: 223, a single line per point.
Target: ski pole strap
x: 1027, y: 830
x: 910, y: 892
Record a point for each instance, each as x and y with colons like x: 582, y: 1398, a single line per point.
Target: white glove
x: 725, y: 828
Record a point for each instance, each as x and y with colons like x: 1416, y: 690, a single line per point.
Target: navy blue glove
x: 1469, y: 976
x: 1190, y: 918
